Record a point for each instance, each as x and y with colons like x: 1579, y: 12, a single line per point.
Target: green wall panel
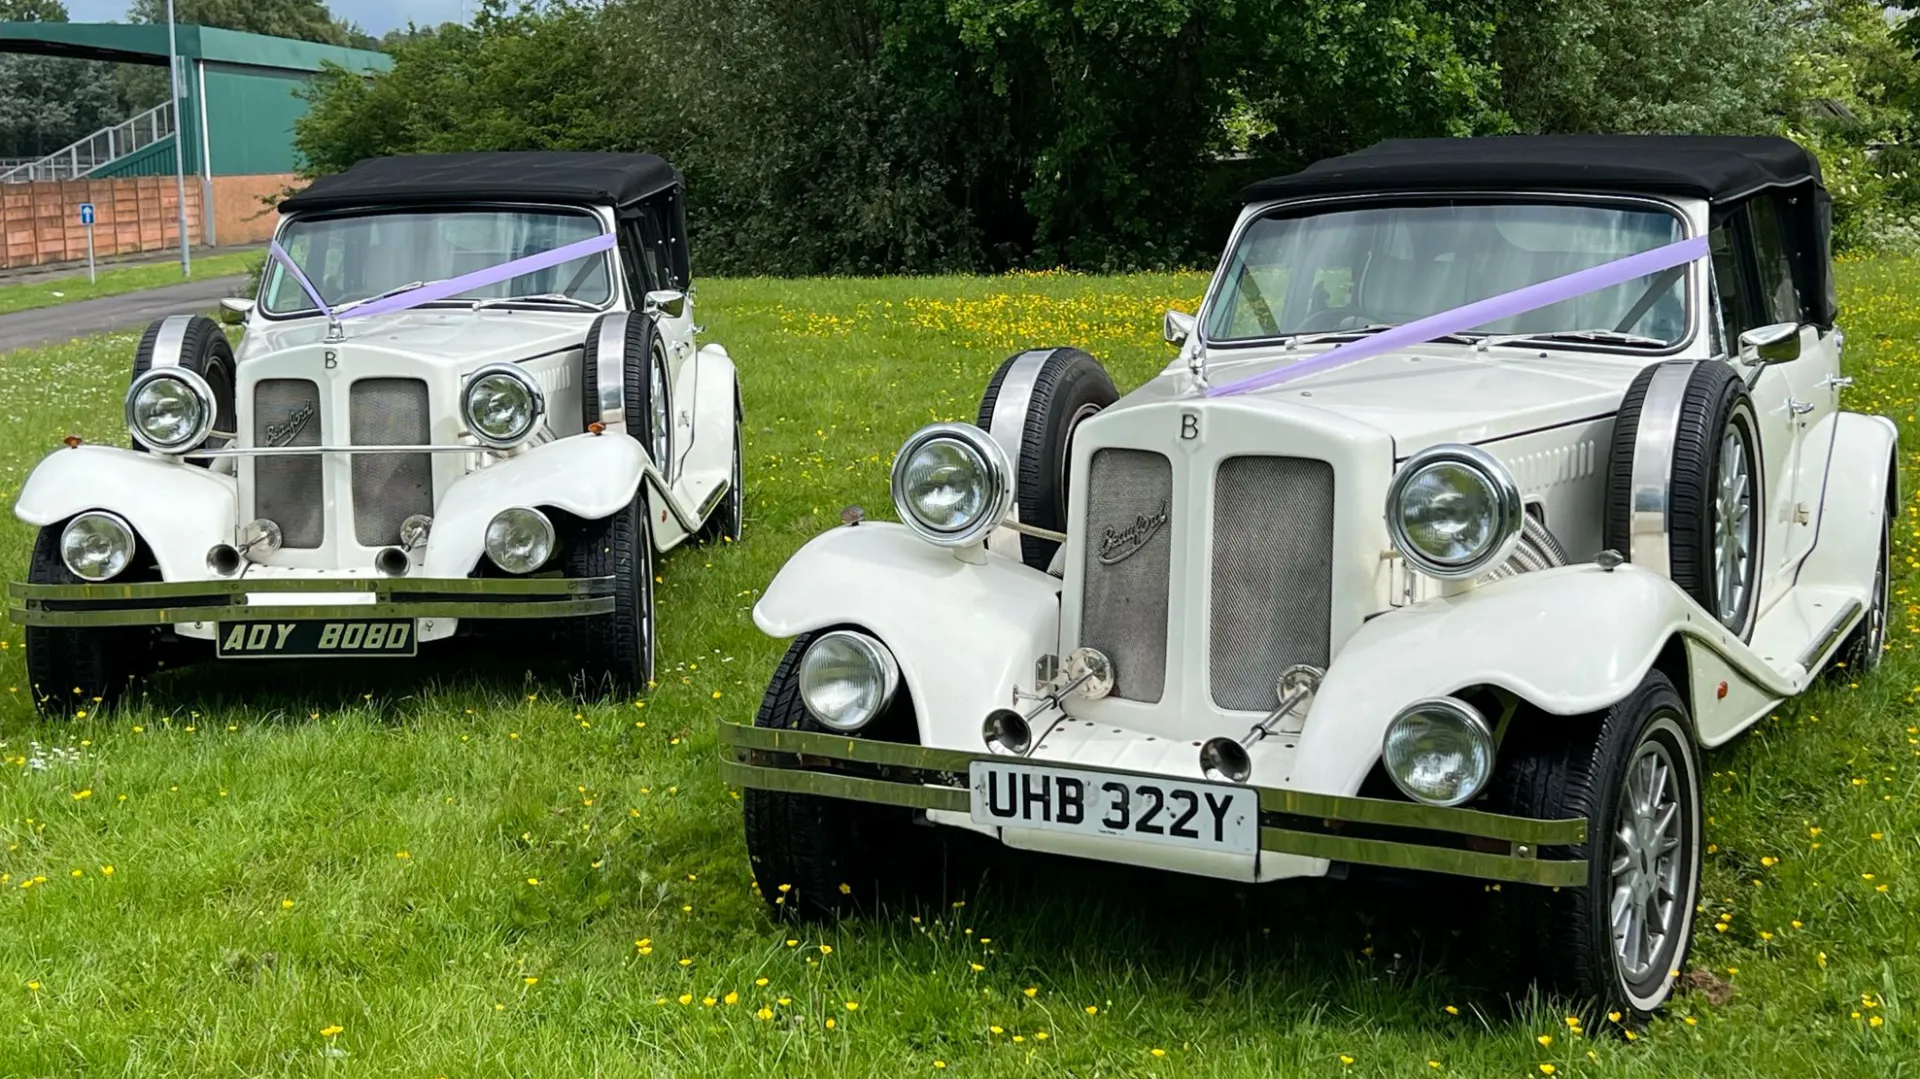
x: 250, y: 114
x: 154, y: 159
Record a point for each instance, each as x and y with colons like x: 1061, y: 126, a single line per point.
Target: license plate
x: 1208, y: 816
x: 307, y: 638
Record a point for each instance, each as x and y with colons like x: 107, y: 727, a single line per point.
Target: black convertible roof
x: 1715, y: 167
x: 579, y: 178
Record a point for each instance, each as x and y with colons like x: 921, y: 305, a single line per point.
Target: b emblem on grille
x: 1120, y: 544
x: 283, y: 434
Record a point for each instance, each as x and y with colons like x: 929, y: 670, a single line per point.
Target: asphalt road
x: 46, y: 325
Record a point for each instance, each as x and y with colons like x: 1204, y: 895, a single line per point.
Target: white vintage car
x: 1495, y: 481
x: 468, y: 395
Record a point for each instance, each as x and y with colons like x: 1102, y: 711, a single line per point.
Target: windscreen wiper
x: 394, y: 291
x: 1363, y: 331
x: 538, y: 297
x: 1600, y: 337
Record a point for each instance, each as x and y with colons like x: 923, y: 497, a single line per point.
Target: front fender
x: 179, y: 510
x: 588, y: 476
x: 1567, y: 641
x: 965, y: 634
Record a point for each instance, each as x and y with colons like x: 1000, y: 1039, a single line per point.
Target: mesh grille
x: 389, y: 487
x: 1272, y: 575
x: 287, y: 490
x: 1123, y: 605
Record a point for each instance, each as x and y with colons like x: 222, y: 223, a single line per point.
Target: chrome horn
x: 1088, y: 672
x: 1225, y: 760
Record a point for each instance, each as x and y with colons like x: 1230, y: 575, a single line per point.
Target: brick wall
x: 40, y: 223
x: 239, y: 215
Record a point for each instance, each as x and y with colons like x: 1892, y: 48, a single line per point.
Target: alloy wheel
x: 1733, y: 526
x: 1649, y: 862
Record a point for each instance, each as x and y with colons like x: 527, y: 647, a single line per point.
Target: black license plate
x: 309, y: 638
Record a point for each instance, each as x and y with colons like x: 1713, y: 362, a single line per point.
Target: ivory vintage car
x: 1495, y: 480
x: 468, y: 392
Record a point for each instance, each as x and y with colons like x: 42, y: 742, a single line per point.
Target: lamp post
x: 179, y: 142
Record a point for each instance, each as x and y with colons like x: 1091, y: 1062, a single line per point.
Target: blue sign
x: 86, y: 213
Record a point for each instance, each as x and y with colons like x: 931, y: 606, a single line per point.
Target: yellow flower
x: 1546, y: 1069
x: 1018, y: 1038
x: 996, y: 1030
x: 1158, y: 1052
x: 1451, y: 1010
x: 731, y: 997
x: 709, y: 1001
x: 81, y: 796
x: 1821, y: 958
x: 1690, y: 1020
x: 535, y: 881
x: 1092, y: 1010
x: 1040, y: 1035
x: 1630, y: 1035
x: 762, y: 982
x: 686, y: 998
x: 1769, y: 861
x: 1031, y: 990
x: 401, y: 854
x: 286, y: 904
x: 1433, y: 1063
x: 846, y: 889
x: 939, y: 1063
x: 530, y: 980
x: 328, y: 1032
x: 1544, y: 1040
x: 1613, y: 1017
x: 853, y: 1005
x: 831, y: 1024
x: 33, y: 987
x: 977, y: 968
x: 106, y: 871
x: 826, y: 949
x: 1345, y: 1059
x: 764, y: 1013
x: 1874, y: 1021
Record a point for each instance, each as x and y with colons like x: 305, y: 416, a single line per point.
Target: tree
x: 47, y: 102
x: 307, y: 20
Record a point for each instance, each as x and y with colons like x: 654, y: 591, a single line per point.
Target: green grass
x: 455, y: 872
x: 114, y: 280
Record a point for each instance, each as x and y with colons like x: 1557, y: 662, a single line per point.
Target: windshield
x: 1349, y: 269
x: 357, y: 257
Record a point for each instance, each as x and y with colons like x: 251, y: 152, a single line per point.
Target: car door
x: 659, y: 242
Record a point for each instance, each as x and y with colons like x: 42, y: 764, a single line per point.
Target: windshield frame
x: 1693, y: 281
x: 601, y: 216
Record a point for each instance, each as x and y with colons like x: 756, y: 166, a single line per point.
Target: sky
x: 376, y: 17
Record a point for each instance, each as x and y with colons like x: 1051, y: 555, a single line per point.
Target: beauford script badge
x: 283, y: 434
x: 1120, y: 544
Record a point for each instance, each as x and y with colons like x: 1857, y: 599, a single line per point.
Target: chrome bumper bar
x: 1365, y: 831
x: 158, y: 603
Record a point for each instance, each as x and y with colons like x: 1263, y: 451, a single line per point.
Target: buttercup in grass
x: 468, y: 395
x: 1494, y: 482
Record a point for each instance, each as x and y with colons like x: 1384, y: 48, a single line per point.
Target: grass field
x: 114, y: 280
x: 411, y: 872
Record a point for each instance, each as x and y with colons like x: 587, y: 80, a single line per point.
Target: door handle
x: 1836, y: 382
x: 1799, y: 408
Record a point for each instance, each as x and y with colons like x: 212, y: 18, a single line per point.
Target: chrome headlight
x: 1454, y: 511
x: 96, y: 545
x: 519, y: 539
x: 170, y: 409
x: 1439, y: 751
x: 502, y: 405
x: 952, y: 484
x: 847, y: 678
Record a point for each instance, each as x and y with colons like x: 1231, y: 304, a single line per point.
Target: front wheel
x: 612, y: 654
x: 76, y: 669
x: 1620, y: 941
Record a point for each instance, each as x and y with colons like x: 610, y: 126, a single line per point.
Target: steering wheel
x: 1337, y: 318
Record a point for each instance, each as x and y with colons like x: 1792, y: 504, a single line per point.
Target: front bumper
x: 160, y: 603
x: 1364, y: 831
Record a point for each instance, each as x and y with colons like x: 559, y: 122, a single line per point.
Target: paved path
x: 47, y: 325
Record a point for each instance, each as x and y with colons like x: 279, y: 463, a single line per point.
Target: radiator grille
x: 1123, y: 604
x: 389, y: 487
x: 1272, y: 575
x: 287, y: 490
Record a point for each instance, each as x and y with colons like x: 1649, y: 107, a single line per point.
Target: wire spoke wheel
x: 1647, y: 861
x: 1733, y: 523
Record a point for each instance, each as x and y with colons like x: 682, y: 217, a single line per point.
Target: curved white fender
x: 1861, y: 480
x: 178, y: 509
x: 965, y: 635
x: 588, y: 476
x: 1568, y: 641
x: 706, y: 449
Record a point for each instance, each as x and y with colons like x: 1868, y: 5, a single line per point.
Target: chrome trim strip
x: 234, y: 586
x: 610, y: 371
x: 1829, y: 638
x: 174, y: 616
x: 1009, y: 427
x: 309, y: 451
x: 172, y: 338
x: 1653, y: 467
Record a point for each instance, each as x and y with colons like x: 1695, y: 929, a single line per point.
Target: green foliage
x: 47, y: 102
x: 307, y: 20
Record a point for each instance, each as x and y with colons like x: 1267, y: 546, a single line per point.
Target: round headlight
x: 502, y: 405
x: 170, y: 409
x: 1454, y: 511
x: 96, y: 546
x: 951, y: 484
x: 847, y: 678
x: 519, y: 539
x: 1439, y: 751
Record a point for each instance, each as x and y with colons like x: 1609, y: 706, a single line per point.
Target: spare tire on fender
x: 1032, y: 405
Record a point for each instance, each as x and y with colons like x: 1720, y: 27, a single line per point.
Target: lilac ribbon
x: 1479, y: 313
x: 452, y: 286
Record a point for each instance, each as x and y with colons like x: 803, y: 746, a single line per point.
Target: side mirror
x: 668, y: 302
x: 1778, y: 343
x: 238, y: 305
x: 1177, y: 327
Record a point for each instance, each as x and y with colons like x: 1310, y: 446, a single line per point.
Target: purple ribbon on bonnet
x: 452, y: 286
x: 1479, y: 313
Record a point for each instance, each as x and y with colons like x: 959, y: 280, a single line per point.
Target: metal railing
x: 103, y: 146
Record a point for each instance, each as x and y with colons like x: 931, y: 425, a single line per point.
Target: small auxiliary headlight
x: 170, y: 409
x: 1439, y: 751
x: 1454, y: 512
x: 502, y: 405
x: 519, y: 539
x: 96, y: 545
x: 847, y: 678
x: 952, y: 484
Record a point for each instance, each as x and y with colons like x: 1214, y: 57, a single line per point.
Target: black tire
x: 816, y: 858
x: 71, y: 669
x: 1713, y: 409
x: 612, y: 654
x: 1864, y: 646
x: 1554, y: 768
x: 204, y: 350
x: 729, y: 518
x: 645, y: 365
x: 1061, y: 387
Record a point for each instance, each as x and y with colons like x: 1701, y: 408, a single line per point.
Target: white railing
x: 105, y: 145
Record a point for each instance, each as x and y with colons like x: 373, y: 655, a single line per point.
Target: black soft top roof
x: 1715, y: 167
x: 412, y: 179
